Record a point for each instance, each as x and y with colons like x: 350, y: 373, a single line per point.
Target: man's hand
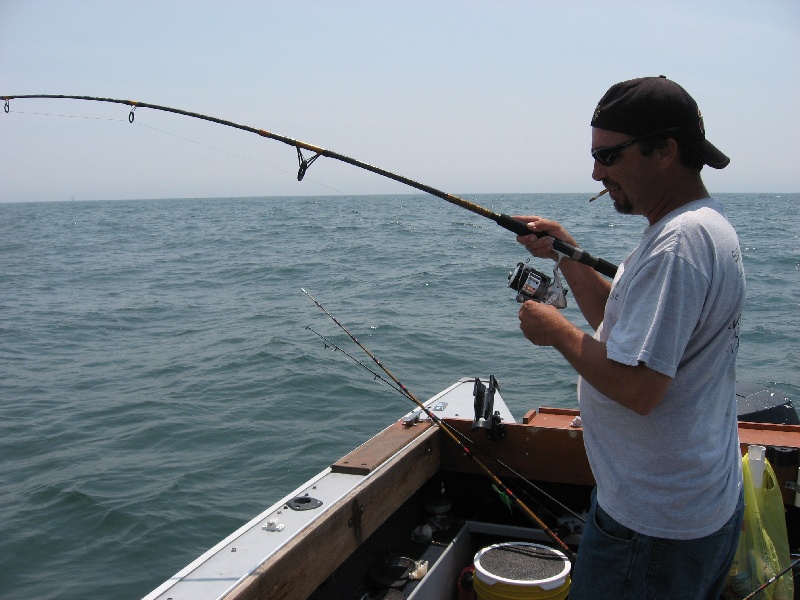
x: 587, y: 286
x: 542, y: 247
x: 636, y: 387
x: 542, y: 324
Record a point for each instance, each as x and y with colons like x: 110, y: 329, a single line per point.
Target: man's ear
x: 669, y: 154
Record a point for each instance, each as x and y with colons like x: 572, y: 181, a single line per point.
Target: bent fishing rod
x: 467, y: 452
x: 507, y: 222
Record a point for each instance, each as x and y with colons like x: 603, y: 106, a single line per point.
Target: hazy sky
x: 466, y: 96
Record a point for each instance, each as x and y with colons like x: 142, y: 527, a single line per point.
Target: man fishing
x: 657, y: 379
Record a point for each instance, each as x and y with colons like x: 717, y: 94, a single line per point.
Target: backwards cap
x: 650, y: 105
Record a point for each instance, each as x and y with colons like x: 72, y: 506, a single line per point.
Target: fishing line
x: 331, y: 345
x: 448, y: 431
x: 42, y: 114
x: 175, y: 135
x: 234, y: 154
x: 505, y: 221
x: 335, y: 348
x: 229, y: 153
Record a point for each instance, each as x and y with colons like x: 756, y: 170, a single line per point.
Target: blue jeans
x: 617, y: 563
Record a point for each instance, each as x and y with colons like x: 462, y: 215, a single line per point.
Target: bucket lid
x: 522, y: 564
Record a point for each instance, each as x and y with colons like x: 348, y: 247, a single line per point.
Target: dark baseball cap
x: 653, y: 105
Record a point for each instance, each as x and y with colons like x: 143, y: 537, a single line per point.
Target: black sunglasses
x: 606, y: 156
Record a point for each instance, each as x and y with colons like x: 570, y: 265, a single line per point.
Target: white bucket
x: 521, y: 571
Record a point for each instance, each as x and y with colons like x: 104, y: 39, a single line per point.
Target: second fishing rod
x: 466, y: 450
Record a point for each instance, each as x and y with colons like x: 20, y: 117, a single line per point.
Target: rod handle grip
x: 598, y: 264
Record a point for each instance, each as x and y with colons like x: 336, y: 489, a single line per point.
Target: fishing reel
x: 535, y: 285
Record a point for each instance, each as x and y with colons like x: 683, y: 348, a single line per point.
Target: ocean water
x: 158, y: 385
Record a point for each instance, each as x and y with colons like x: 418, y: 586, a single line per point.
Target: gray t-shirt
x: 675, y: 305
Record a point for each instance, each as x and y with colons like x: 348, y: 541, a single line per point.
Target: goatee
x: 623, y: 207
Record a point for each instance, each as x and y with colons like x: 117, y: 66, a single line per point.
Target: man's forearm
x: 638, y: 388
x: 589, y: 288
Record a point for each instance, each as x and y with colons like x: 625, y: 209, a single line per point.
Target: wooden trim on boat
x: 546, y: 448
x: 376, y: 451
x: 768, y: 434
x: 300, y: 567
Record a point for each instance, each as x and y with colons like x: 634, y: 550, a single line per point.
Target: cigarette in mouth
x: 593, y: 198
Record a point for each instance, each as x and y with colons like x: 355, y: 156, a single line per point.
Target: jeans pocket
x: 612, y: 529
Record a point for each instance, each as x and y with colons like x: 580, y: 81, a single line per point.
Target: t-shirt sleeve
x: 661, y: 309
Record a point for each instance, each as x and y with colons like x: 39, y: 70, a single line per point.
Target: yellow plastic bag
x: 763, y: 549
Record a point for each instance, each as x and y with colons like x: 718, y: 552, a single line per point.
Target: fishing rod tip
x: 595, y: 197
